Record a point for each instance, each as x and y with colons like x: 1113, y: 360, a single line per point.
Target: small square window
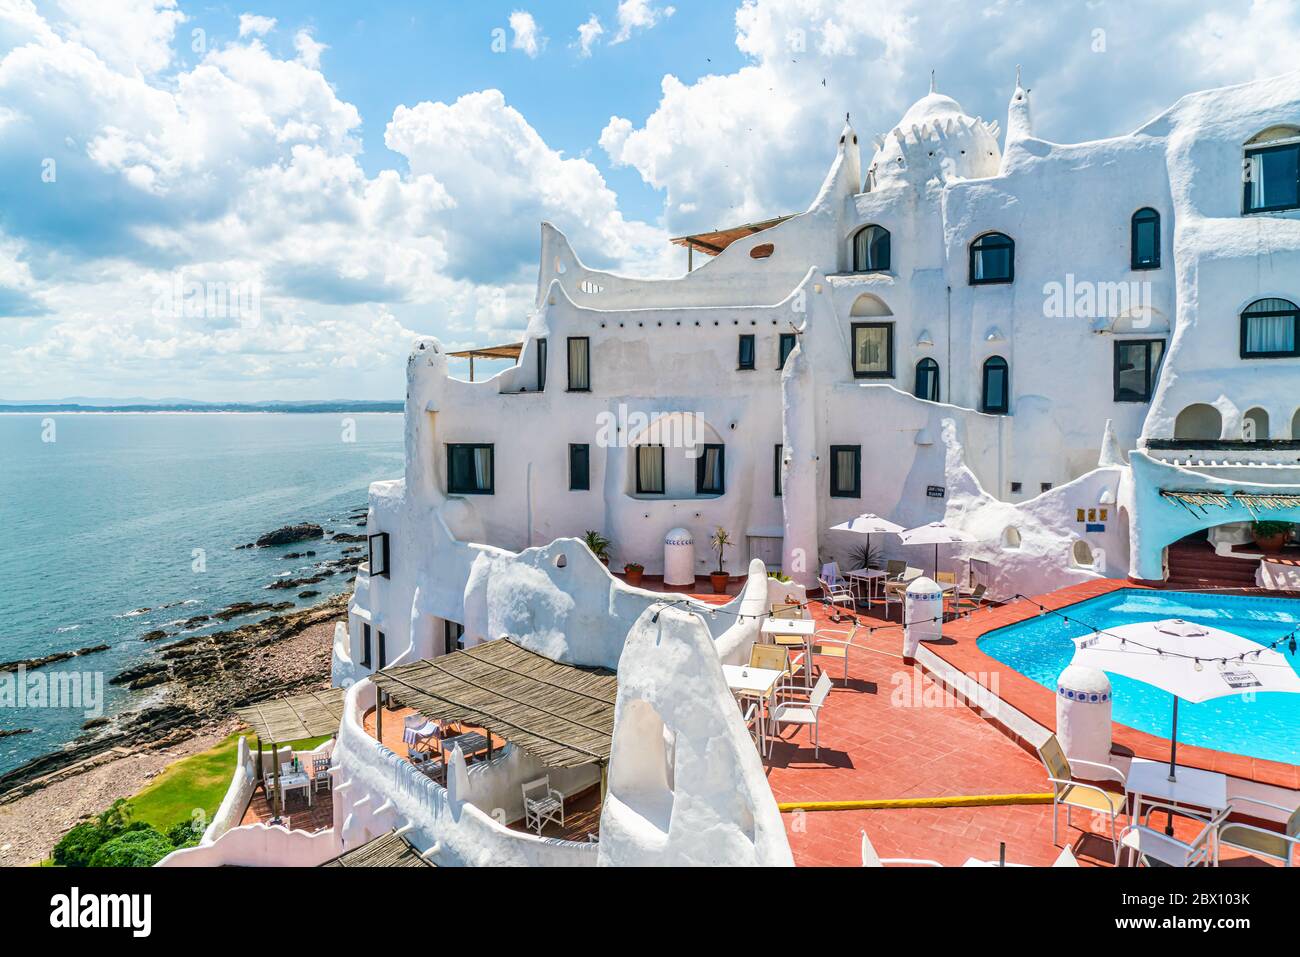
x: 745, y: 360
x: 378, y: 554
x: 1016, y: 487
x: 470, y: 469
x: 846, y: 471
x: 1045, y: 486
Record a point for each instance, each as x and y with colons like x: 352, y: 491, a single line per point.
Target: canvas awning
x: 387, y: 850
x: 561, y: 714
x: 311, y: 714
x: 716, y: 240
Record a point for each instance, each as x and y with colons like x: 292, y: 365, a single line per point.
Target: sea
x: 120, y: 524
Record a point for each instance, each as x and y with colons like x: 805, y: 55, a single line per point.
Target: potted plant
x: 719, y: 542
x: 598, y: 544
x: 633, y: 572
x: 1270, y: 536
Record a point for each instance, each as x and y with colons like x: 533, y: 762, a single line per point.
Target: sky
x: 271, y: 200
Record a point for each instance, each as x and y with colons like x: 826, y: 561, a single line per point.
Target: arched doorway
x: 1199, y: 421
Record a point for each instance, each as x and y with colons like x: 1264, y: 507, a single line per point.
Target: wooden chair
x: 542, y: 804
x: 834, y: 643
x: 791, y: 611
x: 320, y: 774
x: 1071, y: 792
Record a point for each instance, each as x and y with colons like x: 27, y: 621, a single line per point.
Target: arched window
x: 1145, y: 239
x: 1268, y: 329
x: 927, y: 380
x: 1254, y: 425
x: 995, y: 398
x: 871, y: 249
x: 1199, y: 421
x: 992, y: 259
x: 1272, y: 170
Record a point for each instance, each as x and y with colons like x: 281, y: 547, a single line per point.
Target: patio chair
x: 871, y: 859
x: 791, y: 611
x: 805, y: 712
x: 896, y: 589
x: 1147, y: 843
x: 894, y: 570
x: 542, y: 804
x: 834, y: 643
x: 1069, y: 791
x: 1261, y: 841
x: 320, y: 774
x: 750, y: 717
x: 831, y: 573
x: 837, y: 593
x: 971, y: 601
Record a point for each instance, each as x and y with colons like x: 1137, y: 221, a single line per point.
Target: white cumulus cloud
x: 588, y: 34
x: 634, y: 15
x: 251, y: 24
x: 527, y: 35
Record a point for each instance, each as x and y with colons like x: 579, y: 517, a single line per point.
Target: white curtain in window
x: 579, y: 370
x: 483, y: 468
x: 873, y: 352
x: 1270, y: 334
x: 1256, y: 170
x: 845, y: 473
x: 650, y: 468
x: 712, y: 469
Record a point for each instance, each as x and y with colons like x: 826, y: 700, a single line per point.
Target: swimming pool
x: 1267, y: 727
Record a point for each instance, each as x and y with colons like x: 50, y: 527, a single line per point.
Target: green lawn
x: 197, y: 782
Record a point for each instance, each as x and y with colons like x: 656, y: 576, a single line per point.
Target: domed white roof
x: 935, y: 140
x: 930, y: 107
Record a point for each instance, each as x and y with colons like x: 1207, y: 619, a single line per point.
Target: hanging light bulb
x: 1197, y: 666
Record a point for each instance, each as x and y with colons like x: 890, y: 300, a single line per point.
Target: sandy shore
x: 30, y: 825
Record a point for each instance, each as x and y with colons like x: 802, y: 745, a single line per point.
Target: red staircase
x: 1197, y: 565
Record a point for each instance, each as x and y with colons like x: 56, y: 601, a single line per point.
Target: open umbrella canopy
x: 1192, y: 661
x: 868, y: 524
x: 936, y: 534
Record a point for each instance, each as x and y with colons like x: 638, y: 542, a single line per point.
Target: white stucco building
x: 1033, y: 341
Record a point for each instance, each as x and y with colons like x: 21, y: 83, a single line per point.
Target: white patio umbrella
x: 936, y: 534
x: 1190, y: 661
x: 868, y: 524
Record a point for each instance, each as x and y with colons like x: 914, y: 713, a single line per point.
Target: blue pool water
x: 1266, y: 727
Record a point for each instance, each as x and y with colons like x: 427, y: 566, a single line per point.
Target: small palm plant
x: 598, y: 544
x: 719, y: 542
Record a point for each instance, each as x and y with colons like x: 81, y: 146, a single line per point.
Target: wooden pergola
x: 716, y: 240
x: 387, y: 850
x: 311, y: 714
x: 510, y: 350
x: 562, y: 714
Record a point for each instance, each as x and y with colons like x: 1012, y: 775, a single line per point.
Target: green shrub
x: 76, y: 847
x: 1269, y: 529
x: 184, y: 834
x: 138, y: 847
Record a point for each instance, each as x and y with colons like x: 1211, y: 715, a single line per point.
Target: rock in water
x: 291, y: 533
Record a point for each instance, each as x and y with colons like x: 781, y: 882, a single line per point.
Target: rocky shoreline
x: 196, y: 681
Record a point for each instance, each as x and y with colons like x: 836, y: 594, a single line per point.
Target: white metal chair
x: 1261, y: 841
x: 753, y: 724
x: 1147, y: 843
x: 837, y: 593
x: 1068, y: 791
x: 871, y: 859
x: 542, y: 804
x: 805, y: 712
x: 835, y: 643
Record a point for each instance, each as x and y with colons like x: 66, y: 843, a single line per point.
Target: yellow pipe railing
x: 955, y: 800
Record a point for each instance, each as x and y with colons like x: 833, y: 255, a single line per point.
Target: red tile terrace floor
x: 882, y: 737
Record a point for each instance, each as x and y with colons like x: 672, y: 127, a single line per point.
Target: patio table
x: 793, y: 632
x: 1194, y: 787
x: 757, y: 683
x: 296, y: 780
x: 864, y: 578
x: 470, y: 744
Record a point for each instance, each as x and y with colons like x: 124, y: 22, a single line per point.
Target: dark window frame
x: 382, y: 571
x: 641, y: 490
x: 989, y: 364
x: 453, y: 634
x: 853, y: 339
x: 699, y: 469
x: 1293, y: 312
x: 568, y: 354
x: 492, y: 470
x: 743, y: 363
x: 937, y: 382
x: 889, y: 253
x: 1246, y: 208
x: 978, y: 245
x: 1152, y: 370
x: 541, y: 364
x: 585, y: 450
x: 1153, y: 219
x: 381, y: 646
x: 776, y: 479
x: 365, y: 645
x: 782, y: 353
x: 856, y: 491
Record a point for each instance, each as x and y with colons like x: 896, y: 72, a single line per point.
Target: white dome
x: 935, y: 139
x: 930, y: 107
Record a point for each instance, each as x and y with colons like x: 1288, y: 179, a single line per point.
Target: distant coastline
x: 248, y: 408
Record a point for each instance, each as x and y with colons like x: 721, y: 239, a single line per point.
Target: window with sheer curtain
x: 470, y: 469
x: 873, y: 350
x: 846, y: 471
x: 579, y: 364
x: 927, y: 380
x: 710, y: 470
x: 650, y: 469
x: 1272, y: 178
x: 1268, y: 329
x: 992, y: 259
x: 871, y: 249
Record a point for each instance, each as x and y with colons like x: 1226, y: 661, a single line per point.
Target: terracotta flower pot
x: 719, y: 580
x: 1271, y: 544
x: 633, y: 575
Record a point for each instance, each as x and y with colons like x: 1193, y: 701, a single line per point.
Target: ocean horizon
x: 124, y: 523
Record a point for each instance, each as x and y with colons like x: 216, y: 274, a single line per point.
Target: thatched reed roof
x: 561, y: 714
x: 308, y: 715
x: 388, y: 850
